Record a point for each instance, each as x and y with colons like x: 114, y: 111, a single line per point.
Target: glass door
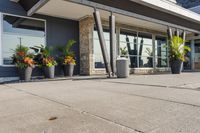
x: 188, y: 63
x: 197, y: 55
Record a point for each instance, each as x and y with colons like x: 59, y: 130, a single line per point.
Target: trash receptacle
x: 122, y: 68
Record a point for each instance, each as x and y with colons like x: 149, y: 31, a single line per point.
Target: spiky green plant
x: 66, y: 52
x: 67, y: 49
x: 177, y: 49
x: 123, y: 51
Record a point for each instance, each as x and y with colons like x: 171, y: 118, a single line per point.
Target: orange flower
x: 28, y: 61
x: 21, y: 53
x: 69, y: 60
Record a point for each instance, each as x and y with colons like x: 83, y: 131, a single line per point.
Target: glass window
x: 188, y: 59
x: 98, y: 57
x: 146, y: 61
x: 145, y: 38
x: 161, y: 51
x: 19, y: 30
x: 128, y: 40
x: 142, y: 53
x: 145, y: 46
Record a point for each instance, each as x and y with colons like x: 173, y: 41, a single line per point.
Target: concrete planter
x: 25, y: 74
x: 49, y: 72
x: 68, y: 70
x: 176, y: 66
x: 122, y: 68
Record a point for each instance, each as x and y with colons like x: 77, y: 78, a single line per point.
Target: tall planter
x: 68, y: 70
x: 25, y: 73
x: 49, y: 72
x: 176, y: 66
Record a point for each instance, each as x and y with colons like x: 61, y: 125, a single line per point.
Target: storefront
x: 141, y: 29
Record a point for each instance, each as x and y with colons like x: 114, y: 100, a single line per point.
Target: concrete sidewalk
x: 149, y: 104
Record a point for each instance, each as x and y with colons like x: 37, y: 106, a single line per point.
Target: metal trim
x: 36, y: 7
x: 129, y: 14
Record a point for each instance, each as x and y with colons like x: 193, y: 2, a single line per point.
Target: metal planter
x: 68, y: 70
x: 176, y: 66
x: 49, y: 72
x: 25, y: 73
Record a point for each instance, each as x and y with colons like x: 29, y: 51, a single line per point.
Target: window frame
x: 2, y: 33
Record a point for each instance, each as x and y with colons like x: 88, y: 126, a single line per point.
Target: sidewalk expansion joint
x: 155, y: 98
x: 80, y: 111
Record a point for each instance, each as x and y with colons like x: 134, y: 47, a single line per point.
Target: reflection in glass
x: 161, y: 62
x: 17, y: 30
x: 98, y: 58
x: 161, y: 51
x: 197, y: 55
x: 128, y: 40
x: 144, y: 38
x: 188, y: 63
x: 145, y: 50
x: 145, y: 61
x: 161, y: 46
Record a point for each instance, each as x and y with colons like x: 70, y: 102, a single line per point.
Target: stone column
x: 86, y: 27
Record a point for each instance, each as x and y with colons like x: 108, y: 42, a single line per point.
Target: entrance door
x: 197, y: 55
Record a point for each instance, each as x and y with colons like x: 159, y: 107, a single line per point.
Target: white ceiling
x: 64, y: 9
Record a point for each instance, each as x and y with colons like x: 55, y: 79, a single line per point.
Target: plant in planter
x: 68, y: 64
x: 67, y: 58
x: 177, y: 52
x: 24, y: 62
x: 123, y: 52
x: 49, y: 67
x: 44, y: 60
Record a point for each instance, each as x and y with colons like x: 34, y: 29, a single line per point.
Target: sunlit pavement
x: 145, y: 103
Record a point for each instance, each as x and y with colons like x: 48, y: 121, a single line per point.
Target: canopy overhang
x: 126, y: 11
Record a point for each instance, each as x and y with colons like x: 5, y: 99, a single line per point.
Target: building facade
x: 141, y: 29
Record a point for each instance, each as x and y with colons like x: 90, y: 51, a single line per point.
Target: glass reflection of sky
x: 12, y: 35
x: 97, y: 48
x: 9, y: 28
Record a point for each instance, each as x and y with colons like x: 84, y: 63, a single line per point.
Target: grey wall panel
x: 8, y: 71
x: 6, y: 6
x: 59, y: 31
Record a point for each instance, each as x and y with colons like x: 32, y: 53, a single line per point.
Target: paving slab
x: 165, y: 80
x: 143, y: 108
x: 30, y: 114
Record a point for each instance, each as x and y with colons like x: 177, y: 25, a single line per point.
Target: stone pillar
x: 86, y: 27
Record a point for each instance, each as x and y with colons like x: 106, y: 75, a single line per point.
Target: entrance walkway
x: 140, y: 104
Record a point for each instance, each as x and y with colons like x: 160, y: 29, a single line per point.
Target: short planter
x: 122, y: 67
x: 49, y: 72
x: 68, y: 70
x: 176, y: 66
x: 25, y: 73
